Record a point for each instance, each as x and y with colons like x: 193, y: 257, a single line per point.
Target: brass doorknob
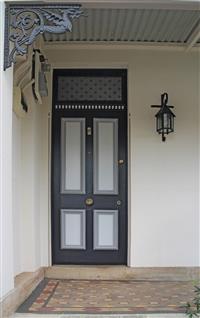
x: 89, y: 201
x: 121, y: 161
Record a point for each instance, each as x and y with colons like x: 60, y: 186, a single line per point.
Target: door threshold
x: 122, y: 272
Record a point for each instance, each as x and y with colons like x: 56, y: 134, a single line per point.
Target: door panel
x: 73, y: 229
x: 73, y: 155
x: 105, y: 229
x: 89, y: 168
x: 105, y: 156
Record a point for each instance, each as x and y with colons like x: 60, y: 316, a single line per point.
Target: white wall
x: 164, y: 176
x: 29, y: 199
x: 17, y: 187
x: 6, y: 222
x: 163, y: 216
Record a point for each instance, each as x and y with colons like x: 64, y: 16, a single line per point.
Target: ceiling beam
x: 85, y: 45
x: 116, y: 45
x: 137, y: 4
x: 121, y: 4
x: 193, y: 39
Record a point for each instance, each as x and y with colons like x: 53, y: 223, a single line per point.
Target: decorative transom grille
x: 75, y: 88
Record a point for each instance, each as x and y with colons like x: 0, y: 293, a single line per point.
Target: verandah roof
x: 161, y: 26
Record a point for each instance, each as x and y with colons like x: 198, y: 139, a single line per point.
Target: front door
x: 89, y: 167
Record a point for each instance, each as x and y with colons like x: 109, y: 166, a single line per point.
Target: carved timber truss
x: 25, y: 22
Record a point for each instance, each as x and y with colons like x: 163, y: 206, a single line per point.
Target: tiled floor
x: 108, y: 297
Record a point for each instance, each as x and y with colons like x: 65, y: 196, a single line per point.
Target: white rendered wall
x: 28, y: 195
x: 165, y: 186
x: 6, y: 219
x: 17, y: 191
x: 164, y: 189
x: 163, y: 216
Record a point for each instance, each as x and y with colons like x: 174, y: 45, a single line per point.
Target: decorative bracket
x: 23, y: 23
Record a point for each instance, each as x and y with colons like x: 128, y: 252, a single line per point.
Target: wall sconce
x: 164, y: 117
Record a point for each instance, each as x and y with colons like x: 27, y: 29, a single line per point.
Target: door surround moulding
x: 91, y: 66
x: 88, y: 65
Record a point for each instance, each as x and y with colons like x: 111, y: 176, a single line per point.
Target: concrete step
x: 109, y: 272
x: 25, y: 283
x: 99, y: 316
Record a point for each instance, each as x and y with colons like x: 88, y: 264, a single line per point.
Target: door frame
x: 91, y: 66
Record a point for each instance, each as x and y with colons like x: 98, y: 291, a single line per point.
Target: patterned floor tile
x: 83, y: 296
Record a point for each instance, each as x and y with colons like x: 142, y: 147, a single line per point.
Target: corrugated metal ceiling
x: 131, y: 25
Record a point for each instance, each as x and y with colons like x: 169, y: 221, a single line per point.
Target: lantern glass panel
x: 166, y: 122
x: 159, y: 124
x: 172, y: 123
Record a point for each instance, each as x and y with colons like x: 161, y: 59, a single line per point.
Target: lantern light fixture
x: 164, y: 117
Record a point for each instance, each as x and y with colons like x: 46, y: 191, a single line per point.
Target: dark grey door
x: 89, y: 167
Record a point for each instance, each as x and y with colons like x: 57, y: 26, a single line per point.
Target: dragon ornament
x: 26, y: 23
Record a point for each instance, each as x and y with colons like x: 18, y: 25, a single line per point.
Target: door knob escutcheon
x: 89, y: 201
